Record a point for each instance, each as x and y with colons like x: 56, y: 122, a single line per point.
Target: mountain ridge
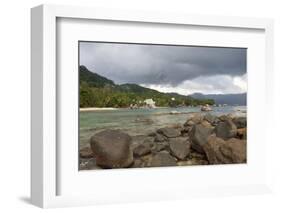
x: 229, y: 99
x: 99, y: 91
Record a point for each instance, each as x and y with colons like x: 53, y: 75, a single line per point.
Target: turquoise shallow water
x: 141, y: 121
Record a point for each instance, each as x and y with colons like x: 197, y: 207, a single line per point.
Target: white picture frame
x: 44, y: 135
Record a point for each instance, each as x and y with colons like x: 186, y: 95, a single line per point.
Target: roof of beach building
x: 149, y: 101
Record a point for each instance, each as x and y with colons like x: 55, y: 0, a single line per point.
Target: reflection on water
x: 141, y: 121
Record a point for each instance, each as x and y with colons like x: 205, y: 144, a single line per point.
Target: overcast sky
x: 180, y: 69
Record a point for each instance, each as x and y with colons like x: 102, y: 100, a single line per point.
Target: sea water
x: 142, y: 121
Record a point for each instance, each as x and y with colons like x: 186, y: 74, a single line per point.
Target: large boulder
x: 199, y: 136
x: 226, y: 129
x: 169, y: 132
x: 162, y: 158
x: 235, y: 150
x: 179, y: 147
x: 219, y: 151
x: 240, y: 122
x: 112, y: 149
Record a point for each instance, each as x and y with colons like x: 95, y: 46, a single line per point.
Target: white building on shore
x: 149, y: 103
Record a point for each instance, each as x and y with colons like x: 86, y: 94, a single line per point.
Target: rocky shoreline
x: 202, y: 140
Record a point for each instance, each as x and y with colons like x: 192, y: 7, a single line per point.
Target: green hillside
x: 93, y: 79
x: 98, y: 91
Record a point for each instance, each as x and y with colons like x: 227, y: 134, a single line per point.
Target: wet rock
x: 179, y: 147
x: 219, y: 151
x: 240, y: 122
x: 162, y: 158
x: 169, y: 132
x: 226, y: 129
x: 112, y: 149
x: 199, y: 136
x: 144, y: 120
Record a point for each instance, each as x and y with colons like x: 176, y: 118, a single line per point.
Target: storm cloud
x: 182, y: 69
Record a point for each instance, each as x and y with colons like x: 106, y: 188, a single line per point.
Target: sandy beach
x: 87, y: 109
x: 96, y: 109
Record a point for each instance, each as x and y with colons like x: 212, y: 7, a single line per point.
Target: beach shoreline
x: 87, y: 109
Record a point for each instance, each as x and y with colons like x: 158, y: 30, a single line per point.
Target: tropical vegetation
x: 98, y: 91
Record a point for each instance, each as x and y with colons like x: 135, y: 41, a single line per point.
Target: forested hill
x: 98, y: 91
x: 93, y: 79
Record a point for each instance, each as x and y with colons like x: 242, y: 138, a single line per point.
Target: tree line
x: 98, y: 91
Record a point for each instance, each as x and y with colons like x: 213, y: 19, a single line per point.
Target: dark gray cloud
x: 165, y: 66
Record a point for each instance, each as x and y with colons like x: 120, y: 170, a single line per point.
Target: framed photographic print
x: 130, y: 106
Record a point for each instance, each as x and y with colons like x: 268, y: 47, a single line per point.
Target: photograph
x: 161, y: 105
